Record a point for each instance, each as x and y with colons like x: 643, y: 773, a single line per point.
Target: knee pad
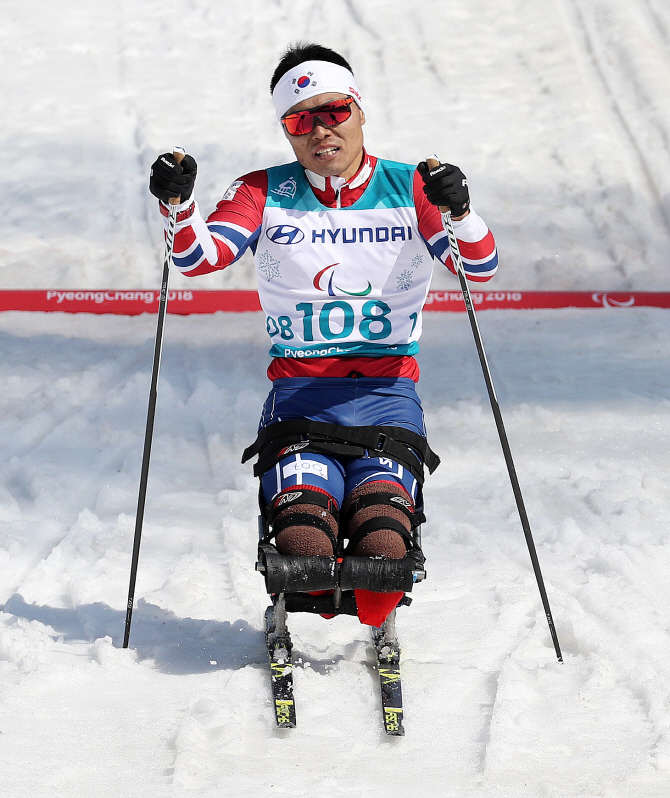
x: 304, y: 522
x: 379, y: 517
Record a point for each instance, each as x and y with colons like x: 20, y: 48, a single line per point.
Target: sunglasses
x: 332, y: 113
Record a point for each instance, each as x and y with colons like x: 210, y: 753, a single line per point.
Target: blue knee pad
x: 334, y: 475
x: 309, y: 470
x: 373, y: 469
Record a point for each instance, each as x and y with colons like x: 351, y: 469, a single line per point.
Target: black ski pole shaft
x: 497, y: 415
x: 151, y: 412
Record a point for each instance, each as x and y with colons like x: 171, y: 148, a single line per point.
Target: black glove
x: 171, y: 179
x: 446, y: 185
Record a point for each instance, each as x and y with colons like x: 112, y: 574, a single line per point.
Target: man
x: 344, y: 244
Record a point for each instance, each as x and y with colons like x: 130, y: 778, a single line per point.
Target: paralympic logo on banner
x: 332, y: 288
x: 604, y: 299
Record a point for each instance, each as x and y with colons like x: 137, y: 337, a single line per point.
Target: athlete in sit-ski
x: 344, y: 244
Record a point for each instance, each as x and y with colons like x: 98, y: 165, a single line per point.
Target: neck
x: 336, y: 192
x: 354, y: 168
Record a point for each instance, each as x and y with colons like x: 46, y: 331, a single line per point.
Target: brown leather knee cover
x: 304, y: 522
x: 378, y: 520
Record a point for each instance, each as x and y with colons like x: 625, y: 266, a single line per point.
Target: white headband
x: 309, y: 79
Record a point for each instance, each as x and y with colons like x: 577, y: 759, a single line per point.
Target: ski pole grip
x: 178, y: 154
x: 433, y: 163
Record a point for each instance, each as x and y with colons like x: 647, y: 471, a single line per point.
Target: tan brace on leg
x: 384, y: 541
x: 306, y: 529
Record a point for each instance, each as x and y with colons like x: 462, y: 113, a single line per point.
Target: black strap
x: 281, y: 438
x: 301, y: 519
x: 388, y: 499
x: 300, y: 494
x: 380, y: 522
x: 288, y: 504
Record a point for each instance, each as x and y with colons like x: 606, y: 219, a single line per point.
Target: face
x: 330, y: 151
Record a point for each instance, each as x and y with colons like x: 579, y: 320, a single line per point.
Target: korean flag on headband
x: 310, y: 78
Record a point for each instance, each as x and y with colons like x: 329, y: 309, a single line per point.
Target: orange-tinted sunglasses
x: 331, y: 113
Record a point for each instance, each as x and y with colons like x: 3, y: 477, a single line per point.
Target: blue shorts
x: 351, y: 402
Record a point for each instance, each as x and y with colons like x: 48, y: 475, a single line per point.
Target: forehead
x: 318, y: 99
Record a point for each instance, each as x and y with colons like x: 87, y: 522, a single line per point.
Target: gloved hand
x: 446, y: 185
x: 171, y: 179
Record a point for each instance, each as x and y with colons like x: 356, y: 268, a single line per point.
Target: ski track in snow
x: 625, y: 53
x: 557, y: 111
x: 484, y: 694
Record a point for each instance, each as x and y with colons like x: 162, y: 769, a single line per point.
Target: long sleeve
x: 200, y: 246
x: 476, y: 242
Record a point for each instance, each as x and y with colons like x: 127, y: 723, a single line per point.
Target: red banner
x: 531, y: 300
x: 132, y: 303
x: 129, y: 303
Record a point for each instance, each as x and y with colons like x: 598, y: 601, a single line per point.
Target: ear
x: 362, y: 116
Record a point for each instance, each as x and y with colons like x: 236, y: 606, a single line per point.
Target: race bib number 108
x: 333, y: 321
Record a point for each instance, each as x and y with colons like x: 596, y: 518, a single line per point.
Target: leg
x: 377, y: 519
x: 376, y: 526
x: 378, y: 509
x: 303, y: 494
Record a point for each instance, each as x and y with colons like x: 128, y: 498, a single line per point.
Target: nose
x: 320, y: 128
x: 323, y: 126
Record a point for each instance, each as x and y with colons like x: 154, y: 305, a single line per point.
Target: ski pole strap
x: 404, y: 446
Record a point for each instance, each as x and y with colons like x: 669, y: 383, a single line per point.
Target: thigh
x: 375, y: 469
x: 308, y: 469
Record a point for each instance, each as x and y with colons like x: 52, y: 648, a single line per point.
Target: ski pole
x: 178, y: 155
x: 433, y: 162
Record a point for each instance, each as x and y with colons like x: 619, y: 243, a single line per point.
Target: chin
x: 330, y: 169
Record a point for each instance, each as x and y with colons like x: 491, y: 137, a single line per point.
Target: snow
x: 557, y: 112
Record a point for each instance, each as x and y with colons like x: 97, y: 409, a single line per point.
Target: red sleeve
x: 244, y: 201
x: 237, y: 220
x: 476, y: 243
x: 201, y: 247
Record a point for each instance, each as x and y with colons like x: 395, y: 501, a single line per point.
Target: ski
x: 278, y: 641
x: 279, y: 647
x: 387, y: 649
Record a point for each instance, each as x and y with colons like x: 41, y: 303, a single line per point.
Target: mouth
x: 327, y: 152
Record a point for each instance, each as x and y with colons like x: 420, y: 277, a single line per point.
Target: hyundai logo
x: 284, y: 234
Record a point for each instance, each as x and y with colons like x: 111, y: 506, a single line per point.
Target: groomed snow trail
x: 186, y: 709
x: 555, y: 110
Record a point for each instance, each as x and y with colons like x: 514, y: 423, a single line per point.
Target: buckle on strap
x: 381, y: 443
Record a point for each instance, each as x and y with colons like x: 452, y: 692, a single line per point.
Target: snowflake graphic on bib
x: 268, y: 265
x: 405, y: 280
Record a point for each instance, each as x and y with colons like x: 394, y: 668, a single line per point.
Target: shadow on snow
x: 176, y: 645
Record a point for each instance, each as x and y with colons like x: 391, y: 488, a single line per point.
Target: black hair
x: 305, y: 51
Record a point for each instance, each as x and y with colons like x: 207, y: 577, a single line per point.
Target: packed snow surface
x: 557, y: 112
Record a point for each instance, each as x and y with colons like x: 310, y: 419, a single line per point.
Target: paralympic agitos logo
x: 332, y: 288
